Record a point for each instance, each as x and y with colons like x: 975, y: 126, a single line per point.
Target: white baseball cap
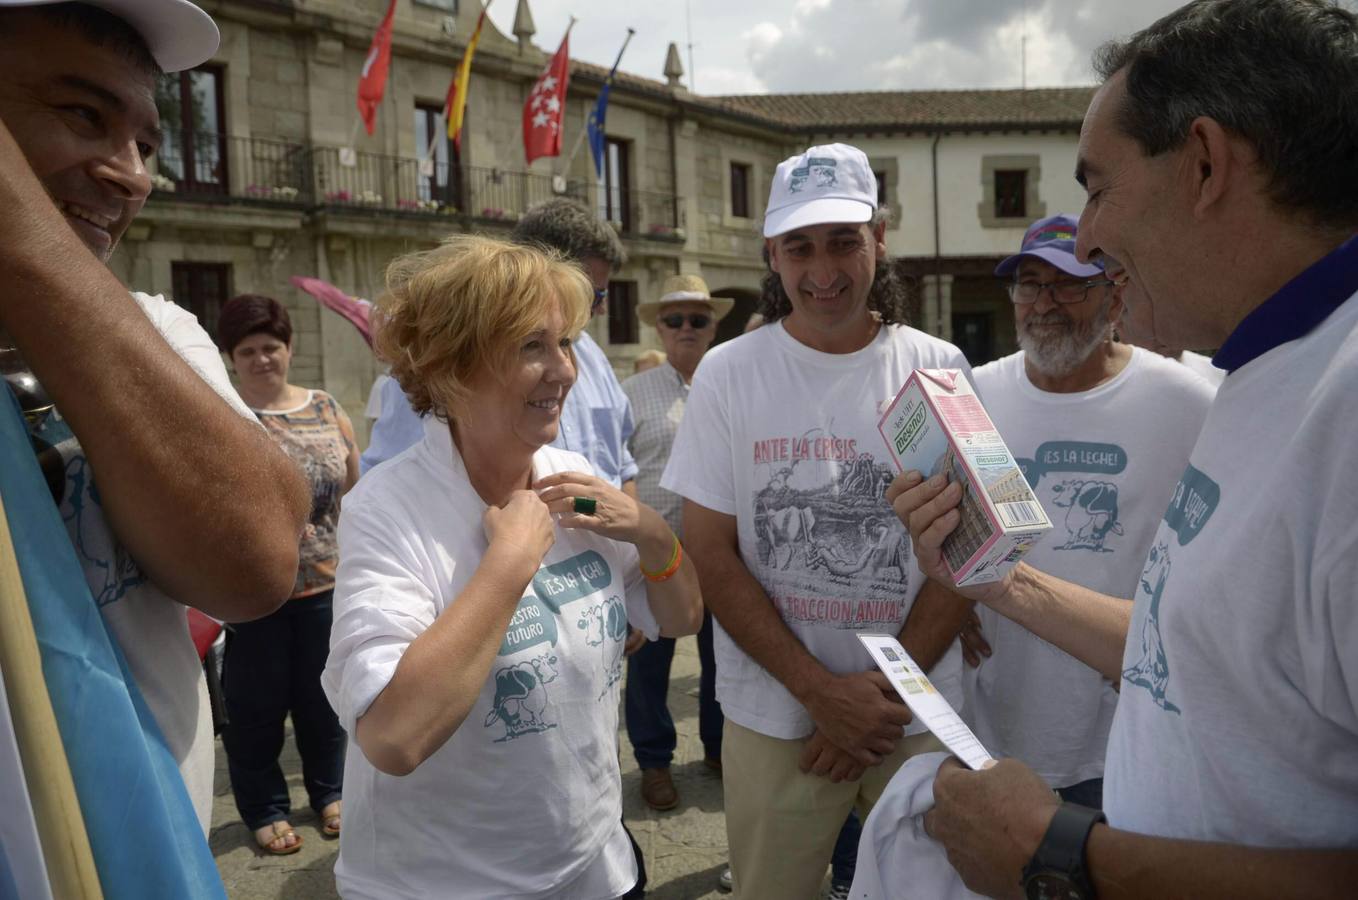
x: 828, y: 183
x: 178, y: 34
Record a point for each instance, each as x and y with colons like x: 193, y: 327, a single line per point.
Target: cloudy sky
x: 751, y: 46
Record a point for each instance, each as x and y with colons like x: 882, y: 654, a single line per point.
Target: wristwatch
x: 1057, y: 869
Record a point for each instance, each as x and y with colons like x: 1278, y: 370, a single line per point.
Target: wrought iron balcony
x: 219, y: 168
x: 213, y: 167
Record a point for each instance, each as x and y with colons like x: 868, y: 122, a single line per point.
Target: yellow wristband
x: 676, y: 557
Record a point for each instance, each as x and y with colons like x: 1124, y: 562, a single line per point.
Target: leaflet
x: 924, y: 700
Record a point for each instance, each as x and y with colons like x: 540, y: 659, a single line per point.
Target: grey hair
x: 1280, y: 73
x: 569, y: 227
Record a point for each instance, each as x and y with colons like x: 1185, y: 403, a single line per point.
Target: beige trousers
x: 781, y: 824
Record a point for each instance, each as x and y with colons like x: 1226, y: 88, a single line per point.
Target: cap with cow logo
x: 827, y: 183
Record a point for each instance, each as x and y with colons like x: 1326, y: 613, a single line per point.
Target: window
x: 615, y: 191
x: 971, y: 333
x: 1009, y: 191
x: 740, y: 190
x: 1011, y: 194
x: 882, y: 192
x: 440, y: 160
x: 622, y: 312
x: 202, y: 289
x: 193, y: 118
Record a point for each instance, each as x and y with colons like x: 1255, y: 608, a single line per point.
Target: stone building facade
x: 266, y: 173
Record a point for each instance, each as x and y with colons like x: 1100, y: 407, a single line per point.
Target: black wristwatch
x: 1057, y: 869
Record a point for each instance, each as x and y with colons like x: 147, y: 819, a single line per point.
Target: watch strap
x: 1063, y: 846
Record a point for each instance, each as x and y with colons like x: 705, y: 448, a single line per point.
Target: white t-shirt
x: 1103, y: 463
x: 151, y: 628
x: 1202, y: 367
x: 1239, y: 712
x: 896, y: 856
x: 524, y: 800
x: 784, y: 438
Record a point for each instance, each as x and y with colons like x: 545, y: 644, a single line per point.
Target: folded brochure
x: 924, y: 700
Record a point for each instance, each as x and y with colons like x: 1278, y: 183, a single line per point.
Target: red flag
x: 357, y: 310
x: 546, y: 105
x: 372, y: 82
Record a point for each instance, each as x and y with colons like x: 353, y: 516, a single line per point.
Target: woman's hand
x: 522, y: 528
x: 615, y: 515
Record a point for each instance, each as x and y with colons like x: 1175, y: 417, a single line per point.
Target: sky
x: 789, y: 46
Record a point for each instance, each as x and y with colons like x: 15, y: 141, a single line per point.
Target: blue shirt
x: 596, y: 421
x: 397, y: 427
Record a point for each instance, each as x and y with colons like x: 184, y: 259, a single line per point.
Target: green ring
x: 584, y: 505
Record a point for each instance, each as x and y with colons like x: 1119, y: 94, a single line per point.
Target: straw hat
x: 680, y: 288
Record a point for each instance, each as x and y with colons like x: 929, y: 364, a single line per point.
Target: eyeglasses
x: 1063, y: 292
x: 675, y: 321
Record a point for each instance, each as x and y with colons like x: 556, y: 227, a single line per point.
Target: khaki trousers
x: 781, y: 824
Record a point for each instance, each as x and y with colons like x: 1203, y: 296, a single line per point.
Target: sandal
x: 330, y: 821
x: 268, y: 836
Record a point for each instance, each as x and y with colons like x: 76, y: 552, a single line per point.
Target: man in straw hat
x: 784, y: 474
x: 153, y: 461
x: 685, y: 315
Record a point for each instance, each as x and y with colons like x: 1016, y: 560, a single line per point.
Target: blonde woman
x: 485, y: 588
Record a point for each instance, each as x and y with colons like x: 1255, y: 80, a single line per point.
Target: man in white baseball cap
x: 784, y: 474
x: 171, y: 491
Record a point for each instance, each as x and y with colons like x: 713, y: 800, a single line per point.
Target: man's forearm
x: 204, y: 502
x: 934, y: 622
x: 1090, y: 626
x: 1127, y: 865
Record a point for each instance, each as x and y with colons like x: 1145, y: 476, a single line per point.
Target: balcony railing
x: 214, y: 167
x: 203, y: 165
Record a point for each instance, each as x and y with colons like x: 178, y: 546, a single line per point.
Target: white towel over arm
x: 896, y: 859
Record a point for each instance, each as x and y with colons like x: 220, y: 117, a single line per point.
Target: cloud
x: 850, y: 45
x: 841, y: 45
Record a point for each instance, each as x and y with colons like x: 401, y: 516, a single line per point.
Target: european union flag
x: 597, y: 138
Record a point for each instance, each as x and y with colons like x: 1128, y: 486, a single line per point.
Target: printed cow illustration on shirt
x: 605, y: 626
x: 1091, y: 513
x: 1151, y: 671
x: 786, y: 529
x: 520, y: 698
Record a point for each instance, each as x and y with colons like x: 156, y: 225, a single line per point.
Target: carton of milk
x: 937, y: 424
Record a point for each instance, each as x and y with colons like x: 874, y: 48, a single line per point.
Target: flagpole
x: 71, y: 871
x: 434, y: 138
x: 580, y: 138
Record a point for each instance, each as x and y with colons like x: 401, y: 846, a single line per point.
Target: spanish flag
x: 456, y: 106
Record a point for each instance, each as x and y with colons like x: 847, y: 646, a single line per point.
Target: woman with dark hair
x: 273, y: 665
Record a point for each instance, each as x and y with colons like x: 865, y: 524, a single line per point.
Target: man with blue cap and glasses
x: 1102, y: 431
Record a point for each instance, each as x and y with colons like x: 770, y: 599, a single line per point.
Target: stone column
x: 937, y: 291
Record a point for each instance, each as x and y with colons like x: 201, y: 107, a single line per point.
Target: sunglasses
x: 675, y: 321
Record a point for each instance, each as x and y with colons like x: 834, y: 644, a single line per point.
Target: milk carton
x: 937, y: 424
